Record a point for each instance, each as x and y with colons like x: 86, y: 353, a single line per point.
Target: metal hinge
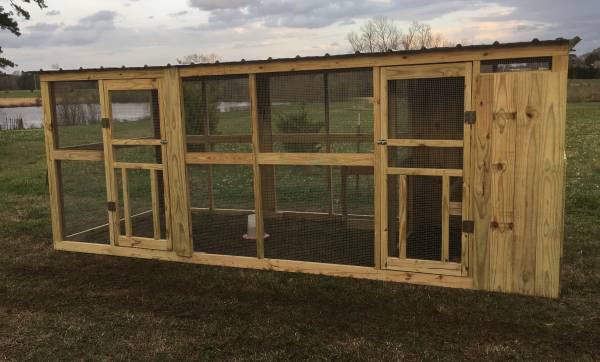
x: 105, y: 123
x: 111, y: 206
x: 470, y: 117
x: 468, y: 226
x: 382, y: 141
x: 163, y: 142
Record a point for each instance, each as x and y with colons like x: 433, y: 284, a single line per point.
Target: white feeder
x: 251, y: 233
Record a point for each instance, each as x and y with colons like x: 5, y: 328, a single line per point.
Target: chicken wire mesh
x: 76, y: 118
x: 83, y: 198
x: 428, y: 108
x: 425, y: 157
x: 320, y: 214
x: 324, y: 111
x: 222, y: 198
x: 135, y: 114
x: 217, y: 114
x: 515, y: 64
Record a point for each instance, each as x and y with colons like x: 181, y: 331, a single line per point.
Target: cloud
x: 179, y: 13
x: 53, y: 13
x: 210, y: 5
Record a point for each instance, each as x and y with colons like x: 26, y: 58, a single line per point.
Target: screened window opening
x: 217, y: 114
x: 313, y: 112
x: 77, y: 115
x: 135, y: 114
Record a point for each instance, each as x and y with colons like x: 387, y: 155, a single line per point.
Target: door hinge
x: 468, y: 226
x: 105, y: 123
x: 470, y: 117
x: 111, y: 206
x: 163, y: 142
x: 382, y: 141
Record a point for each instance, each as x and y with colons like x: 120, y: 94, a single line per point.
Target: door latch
x: 382, y: 141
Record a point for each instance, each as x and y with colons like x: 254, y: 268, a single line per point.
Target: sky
x: 93, y: 33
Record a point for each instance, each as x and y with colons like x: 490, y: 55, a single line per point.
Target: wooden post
x: 445, y: 218
x: 257, y: 183
x: 179, y: 196
x: 327, y: 139
x: 208, y: 145
x: 380, y: 197
x: 265, y: 136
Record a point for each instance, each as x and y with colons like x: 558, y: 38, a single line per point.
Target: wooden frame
x: 494, y: 256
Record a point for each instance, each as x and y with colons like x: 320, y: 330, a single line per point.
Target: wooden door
x: 425, y: 133
x: 136, y: 164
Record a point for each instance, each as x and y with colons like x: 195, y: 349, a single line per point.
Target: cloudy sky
x: 91, y: 33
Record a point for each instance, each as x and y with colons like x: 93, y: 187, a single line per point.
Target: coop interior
x: 310, y: 212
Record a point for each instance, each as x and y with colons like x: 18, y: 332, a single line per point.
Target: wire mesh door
x: 424, y: 161
x: 135, y: 154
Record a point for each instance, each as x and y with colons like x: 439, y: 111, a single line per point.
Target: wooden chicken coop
x: 438, y: 166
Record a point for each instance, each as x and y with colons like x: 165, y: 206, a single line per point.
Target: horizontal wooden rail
x: 142, y: 242
x: 317, y: 159
x: 456, y: 208
x: 138, y: 166
x: 136, y: 142
x: 284, y: 138
x: 216, y: 158
x: 131, y: 84
x: 424, y: 171
x: 82, y: 155
x: 425, y: 266
x: 426, y: 143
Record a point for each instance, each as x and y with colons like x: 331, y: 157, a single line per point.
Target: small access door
x: 424, y: 162
x: 136, y: 164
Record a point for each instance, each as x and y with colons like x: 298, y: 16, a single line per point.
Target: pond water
x: 32, y: 116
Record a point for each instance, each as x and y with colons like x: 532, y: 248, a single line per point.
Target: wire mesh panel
x: 311, y: 221
x: 222, y: 200
x: 138, y: 154
x: 83, y: 193
x: 140, y: 215
x: 76, y: 118
x: 426, y: 157
x: 135, y: 114
x: 516, y: 64
x: 320, y: 111
x: 217, y: 114
x: 429, y: 108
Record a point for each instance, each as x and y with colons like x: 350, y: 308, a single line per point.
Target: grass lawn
x: 24, y: 93
x: 65, y: 306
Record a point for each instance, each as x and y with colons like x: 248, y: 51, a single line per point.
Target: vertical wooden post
x: 328, y: 140
x: 258, y: 208
x: 126, y: 202
x: 445, y: 218
x: 402, y: 214
x: 111, y: 177
x: 265, y: 136
x: 179, y: 195
x: 380, y: 197
x: 54, y: 182
x: 155, y: 204
x: 208, y: 146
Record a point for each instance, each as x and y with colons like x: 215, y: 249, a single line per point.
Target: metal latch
x: 470, y: 117
x: 163, y: 142
x: 111, y: 206
x: 105, y: 123
x: 468, y: 226
x: 382, y: 141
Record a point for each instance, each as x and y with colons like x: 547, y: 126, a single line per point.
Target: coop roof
x: 458, y: 48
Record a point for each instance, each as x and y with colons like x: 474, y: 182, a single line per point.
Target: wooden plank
x: 456, y: 208
x: 178, y: 213
x: 466, y: 207
x: 109, y: 168
x: 402, y: 214
x: 136, y: 142
x: 126, y: 202
x: 378, y: 175
x: 219, y: 158
x: 102, y: 75
x: 550, y: 183
x: 425, y: 266
x: 143, y: 243
x: 155, y: 204
x: 131, y: 84
x: 54, y: 182
x: 424, y: 171
x: 424, y: 143
x: 481, y: 156
x: 138, y: 166
x: 332, y: 159
x: 381, y: 175
x: 73, y: 155
x: 445, y: 219
x: 501, y: 235
x: 427, y: 71
x: 276, y: 265
x: 327, y: 139
x: 256, y: 171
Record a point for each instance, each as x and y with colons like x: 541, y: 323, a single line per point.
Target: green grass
x: 25, y: 93
x: 65, y: 306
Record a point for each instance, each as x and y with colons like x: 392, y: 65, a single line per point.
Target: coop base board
x: 273, y: 264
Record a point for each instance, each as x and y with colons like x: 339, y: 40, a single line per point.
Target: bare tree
x: 377, y: 35
x: 199, y: 58
x: 382, y: 34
